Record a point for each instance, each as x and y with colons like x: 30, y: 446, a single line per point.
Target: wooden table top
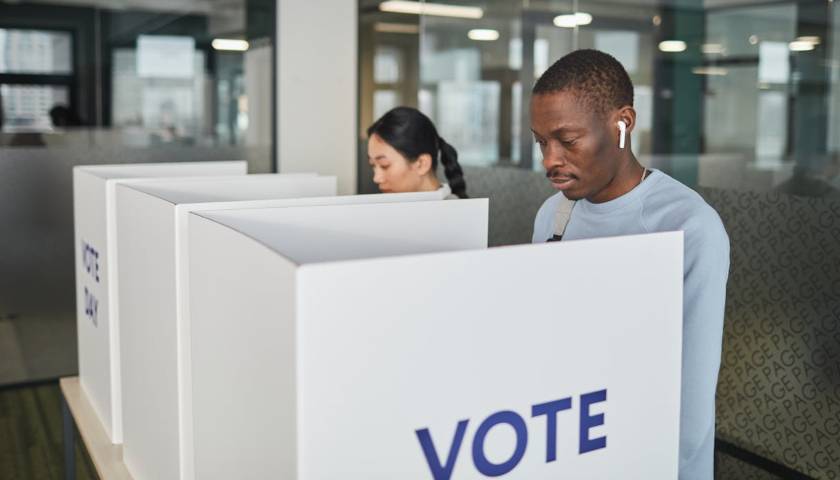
x: 106, y: 457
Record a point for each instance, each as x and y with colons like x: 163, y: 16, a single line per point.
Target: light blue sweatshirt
x: 662, y: 204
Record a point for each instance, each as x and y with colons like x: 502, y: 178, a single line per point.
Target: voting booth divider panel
x: 263, y: 186
x: 355, y: 342
x: 157, y: 335
x: 95, y: 248
x: 265, y: 302
x: 223, y: 379
x: 150, y: 228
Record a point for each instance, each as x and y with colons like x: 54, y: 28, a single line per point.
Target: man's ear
x: 626, y: 114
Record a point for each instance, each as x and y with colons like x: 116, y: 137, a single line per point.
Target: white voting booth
x: 95, y: 212
x: 383, y: 341
x: 155, y: 315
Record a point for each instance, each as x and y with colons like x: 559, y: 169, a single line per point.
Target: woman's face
x: 392, y: 172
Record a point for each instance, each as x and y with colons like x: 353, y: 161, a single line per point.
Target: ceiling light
x: 436, y: 9
x: 753, y: 39
x: 657, y: 20
x: 712, y: 48
x: 798, y: 46
x: 483, y: 34
x: 229, y: 44
x: 573, y: 20
x: 385, y: 27
x: 812, y: 39
x: 672, y: 46
x: 711, y: 71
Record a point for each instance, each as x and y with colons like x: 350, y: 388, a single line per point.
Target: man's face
x: 579, y: 147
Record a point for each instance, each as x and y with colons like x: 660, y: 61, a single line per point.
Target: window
x: 36, y: 75
x: 36, y: 51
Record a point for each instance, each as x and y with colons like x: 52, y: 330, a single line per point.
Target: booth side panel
x: 93, y: 321
x: 242, y: 188
x: 242, y: 307
x: 178, y: 169
x: 326, y: 233
x: 398, y: 355
x: 210, y: 209
x: 182, y: 267
x: 148, y: 360
x: 114, y: 305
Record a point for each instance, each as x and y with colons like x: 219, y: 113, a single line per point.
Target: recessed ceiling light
x: 672, y: 46
x: 437, y: 9
x: 797, y: 46
x: 229, y: 44
x: 483, y: 34
x: 573, y: 20
x: 711, y: 71
x: 813, y: 39
x: 385, y: 27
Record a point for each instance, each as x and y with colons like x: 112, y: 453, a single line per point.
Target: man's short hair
x: 597, y: 78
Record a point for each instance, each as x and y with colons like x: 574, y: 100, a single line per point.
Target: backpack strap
x: 561, y: 218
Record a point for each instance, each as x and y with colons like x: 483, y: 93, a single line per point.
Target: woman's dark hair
x: 412, y: 134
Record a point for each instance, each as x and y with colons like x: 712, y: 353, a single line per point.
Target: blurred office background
x: 88, y: 82
x: 739, y: 99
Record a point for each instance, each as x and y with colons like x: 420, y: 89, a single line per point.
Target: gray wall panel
x: 779, y: 388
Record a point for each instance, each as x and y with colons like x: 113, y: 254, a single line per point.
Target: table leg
x: 69, y: 441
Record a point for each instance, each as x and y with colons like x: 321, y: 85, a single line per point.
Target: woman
x: 404, y: 150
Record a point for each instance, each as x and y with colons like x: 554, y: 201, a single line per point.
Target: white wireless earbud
x: 622, y: 127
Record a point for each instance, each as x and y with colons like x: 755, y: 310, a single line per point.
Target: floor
x: 31, y: 442
x: 730, y: 468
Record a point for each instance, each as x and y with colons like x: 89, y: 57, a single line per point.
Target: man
x: 576, y: 107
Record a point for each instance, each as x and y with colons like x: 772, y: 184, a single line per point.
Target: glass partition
x: 728, y: 95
